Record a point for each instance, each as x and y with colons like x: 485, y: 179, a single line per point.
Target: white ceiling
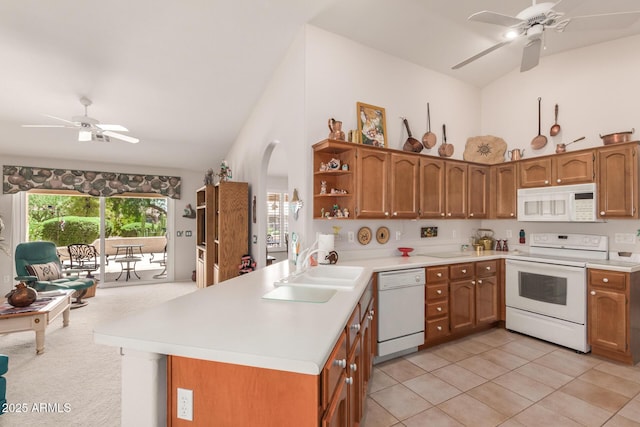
x: 184, y: 75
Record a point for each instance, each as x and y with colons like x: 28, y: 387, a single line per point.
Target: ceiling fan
x: 90, y: 129
x: 532, y: 22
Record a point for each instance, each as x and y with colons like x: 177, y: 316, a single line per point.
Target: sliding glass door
x: 129, y: 234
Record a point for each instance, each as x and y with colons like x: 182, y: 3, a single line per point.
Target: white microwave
x: 563, y: 203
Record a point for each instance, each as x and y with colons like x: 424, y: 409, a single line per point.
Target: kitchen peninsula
x: 229, y: 330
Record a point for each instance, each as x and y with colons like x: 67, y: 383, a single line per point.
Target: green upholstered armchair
x: 38, y: 265
x: 4, y: 367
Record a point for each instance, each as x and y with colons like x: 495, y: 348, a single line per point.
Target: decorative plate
x: 364, y: 235
x: 382, y: 235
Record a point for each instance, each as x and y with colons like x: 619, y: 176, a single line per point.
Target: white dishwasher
x: 400, y: 310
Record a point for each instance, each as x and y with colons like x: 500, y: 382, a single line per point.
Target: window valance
x: 25, y: 178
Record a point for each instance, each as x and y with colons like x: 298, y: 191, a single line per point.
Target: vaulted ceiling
x: 184, y: 75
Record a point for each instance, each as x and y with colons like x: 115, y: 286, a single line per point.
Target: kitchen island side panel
x: 235, y: 395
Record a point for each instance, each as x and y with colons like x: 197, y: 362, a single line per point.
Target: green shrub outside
x: 134, y: 230
x: 76, y: 229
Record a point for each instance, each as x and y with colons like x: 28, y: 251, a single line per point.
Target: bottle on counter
x: 522, y: 237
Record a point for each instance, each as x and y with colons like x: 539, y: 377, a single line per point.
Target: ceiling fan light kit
x: 533, y: 21
x: 90, y: 129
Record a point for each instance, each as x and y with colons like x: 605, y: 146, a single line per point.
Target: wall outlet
x: 185, y: 404
x: 454, y: 234
x: 350, y: 237
x: 509, y: 234
x: 398, y: 235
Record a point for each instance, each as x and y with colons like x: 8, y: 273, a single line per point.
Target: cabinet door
x: 432, y: 189
x: 337, y: 414
x: 478, y: 191
x: 575, y: 168
x: 487, y: 299
x: 372, y: 180
x: 405, y: 170
x: 607, y: 325
x: 455, y: 190
x: 506, y: 191
x: 618, y: 182
x: 535, y: 172
x: 462, y: 305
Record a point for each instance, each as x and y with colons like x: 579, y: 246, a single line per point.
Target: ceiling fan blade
x: 46, y: 126
x: 481, y: 54
x: 603, y: 21
x: 125, y: 138
x: 531, y: 55
x: 115, y: 128
x: 495, y: 18
x: 58, y: 118
x: 564, y: 6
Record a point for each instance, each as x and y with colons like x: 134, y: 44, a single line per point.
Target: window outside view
x: 135, y: 228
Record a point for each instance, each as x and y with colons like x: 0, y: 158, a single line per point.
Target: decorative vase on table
x: 21, y: 296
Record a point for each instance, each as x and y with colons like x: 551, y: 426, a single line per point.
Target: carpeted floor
x: 75, y: 382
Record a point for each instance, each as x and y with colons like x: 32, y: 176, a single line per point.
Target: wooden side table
x: 36, y: 317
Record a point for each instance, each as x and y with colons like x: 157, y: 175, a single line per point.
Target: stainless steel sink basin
x: 325, y: 276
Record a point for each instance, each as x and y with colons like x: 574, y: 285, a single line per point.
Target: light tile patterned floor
x: 499, y: 378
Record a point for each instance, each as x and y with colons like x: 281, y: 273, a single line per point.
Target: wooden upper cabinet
x: 404, y: 185
x: 618, y: 181
x: 432, y: 188
x: 560, y: 169
x: 478, y: 200
x: 503, y: 198
x: 534, y: 172
x: 574, y: 168
x: 455, y: 189
x: 372, y: 171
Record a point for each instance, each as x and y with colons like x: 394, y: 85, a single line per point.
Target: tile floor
x: 499, y: 378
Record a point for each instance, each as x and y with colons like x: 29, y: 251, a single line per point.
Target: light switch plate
x: 185, y: 404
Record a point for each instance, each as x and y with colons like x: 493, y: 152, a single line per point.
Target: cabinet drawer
x: 437, y: 274
x: 461, y: 271
x: 435, y: 292
x: 437, y: 309
x: 353, y: 327
x: 437, y: 328
x: 333, y: 369
x: 608, y: 279
x: 486, y: 268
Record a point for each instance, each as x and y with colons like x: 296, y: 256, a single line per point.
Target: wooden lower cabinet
x: 613, y: 315
x: 460, y: 299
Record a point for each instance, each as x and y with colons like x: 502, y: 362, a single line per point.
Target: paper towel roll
x: 325, y: 245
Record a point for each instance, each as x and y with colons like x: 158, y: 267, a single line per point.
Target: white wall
x: 183, y: 246
x: 277, y: 118
x: 597, y: 89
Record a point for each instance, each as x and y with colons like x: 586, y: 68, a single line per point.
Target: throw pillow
x: 44, y: 272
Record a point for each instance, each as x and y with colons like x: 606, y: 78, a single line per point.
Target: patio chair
x: 83, y: 257
x: 163, y: 263
x: 38, y: 265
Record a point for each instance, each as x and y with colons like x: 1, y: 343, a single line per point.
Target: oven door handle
x: 533, y: 263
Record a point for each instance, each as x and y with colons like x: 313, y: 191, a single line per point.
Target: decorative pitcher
x: 516, y: 154
x: 335, y: 127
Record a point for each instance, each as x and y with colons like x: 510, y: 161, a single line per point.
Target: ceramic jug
x: 335, y: 127
x: 516, y: 154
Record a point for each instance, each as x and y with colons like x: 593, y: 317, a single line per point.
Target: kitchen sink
x: 325, y: 276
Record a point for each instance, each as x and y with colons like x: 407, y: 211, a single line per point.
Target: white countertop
x: 231, y: 322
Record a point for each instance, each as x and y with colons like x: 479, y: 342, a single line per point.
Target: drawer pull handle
x: 353, y: 367
x: 488, y: 268
x: 439, y: 292
x: 356, y: 326
x: 479, y: 281
x: 464, y: 271
x: 593, y: 292
x: 439, y: 328
x: 439, y: 274
x: 439, y: 309
x: 342, y: 363
x: 348, y: 380
x: 605, y: 280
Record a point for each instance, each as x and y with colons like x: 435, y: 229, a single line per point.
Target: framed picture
x: 372, y: 125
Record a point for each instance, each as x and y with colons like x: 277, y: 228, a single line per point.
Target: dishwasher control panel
x: 401, y: 278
